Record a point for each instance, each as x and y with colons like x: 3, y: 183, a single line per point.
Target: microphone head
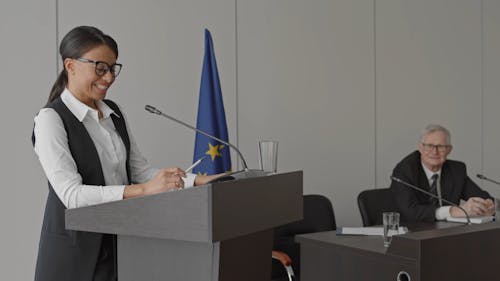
x: 152, y: 109
x: 480, y: 176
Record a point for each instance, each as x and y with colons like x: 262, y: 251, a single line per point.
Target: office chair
x: 373, y: 202
x: 286, y: 263
x: 318, y: 216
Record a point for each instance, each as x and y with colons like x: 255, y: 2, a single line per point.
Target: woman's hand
x: 165, y: 180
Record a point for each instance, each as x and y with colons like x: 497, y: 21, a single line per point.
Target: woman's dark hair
x: 77, y: 42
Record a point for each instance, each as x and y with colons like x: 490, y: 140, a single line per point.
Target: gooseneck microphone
x: 431, y: 195
x: 487, y: 179
x: 154, y: 110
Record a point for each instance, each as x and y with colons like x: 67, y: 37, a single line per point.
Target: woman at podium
x: 89, y: 157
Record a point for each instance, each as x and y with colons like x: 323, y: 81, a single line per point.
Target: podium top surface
x: 208, y: 213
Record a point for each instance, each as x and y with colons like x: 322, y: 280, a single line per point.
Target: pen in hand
x: 195, y: 164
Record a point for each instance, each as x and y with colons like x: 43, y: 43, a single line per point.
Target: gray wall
x: 344, y: 86
x: 28, y: 49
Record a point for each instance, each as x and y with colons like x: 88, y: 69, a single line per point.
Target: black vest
x: 77, y: 255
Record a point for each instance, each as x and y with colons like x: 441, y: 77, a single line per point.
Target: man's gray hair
x: 431, y: 128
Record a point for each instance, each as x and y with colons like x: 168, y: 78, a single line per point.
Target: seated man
x: 429, y: 169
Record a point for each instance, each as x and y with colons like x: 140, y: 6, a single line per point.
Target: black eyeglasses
x: 431, y: 147
x: 101, y: 68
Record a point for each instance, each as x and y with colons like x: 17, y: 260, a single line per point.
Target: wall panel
x: 428, y: 69
x: 27, y: 29
x: 491, y: 95
x: 305, y: 78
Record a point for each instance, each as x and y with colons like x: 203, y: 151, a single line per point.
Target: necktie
x: 434, y: 187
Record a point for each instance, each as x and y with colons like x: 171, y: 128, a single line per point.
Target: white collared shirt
x: 52, y: 149
x: 442, y: 212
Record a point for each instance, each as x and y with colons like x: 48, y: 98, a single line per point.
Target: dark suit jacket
x: 416, y: 206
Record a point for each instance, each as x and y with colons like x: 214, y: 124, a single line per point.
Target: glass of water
x: 391, y: 226
x: 268, y: 156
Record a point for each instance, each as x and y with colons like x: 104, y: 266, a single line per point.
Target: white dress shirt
x: 52, y: 149
x: 442, y: 212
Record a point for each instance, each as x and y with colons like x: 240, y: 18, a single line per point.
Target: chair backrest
x: 373, y: 202
x: 318, y: 216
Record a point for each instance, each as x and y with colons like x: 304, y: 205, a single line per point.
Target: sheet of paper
x: 475, y: 220
x: 373, y: 231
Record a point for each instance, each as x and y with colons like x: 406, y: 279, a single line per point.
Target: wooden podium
x: 220, y: 231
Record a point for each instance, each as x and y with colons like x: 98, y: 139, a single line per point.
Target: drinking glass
x: 391, y: 226
x: 268, y: 156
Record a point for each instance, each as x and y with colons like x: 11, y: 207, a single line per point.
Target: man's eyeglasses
x: 431, y: 147
x: 101, y: 68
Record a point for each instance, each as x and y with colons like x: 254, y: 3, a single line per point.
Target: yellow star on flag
x: 214, y: 150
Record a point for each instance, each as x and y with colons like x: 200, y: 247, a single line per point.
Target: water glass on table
x: 391, y: 226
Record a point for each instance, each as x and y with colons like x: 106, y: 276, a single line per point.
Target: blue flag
x: 211, y: 118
